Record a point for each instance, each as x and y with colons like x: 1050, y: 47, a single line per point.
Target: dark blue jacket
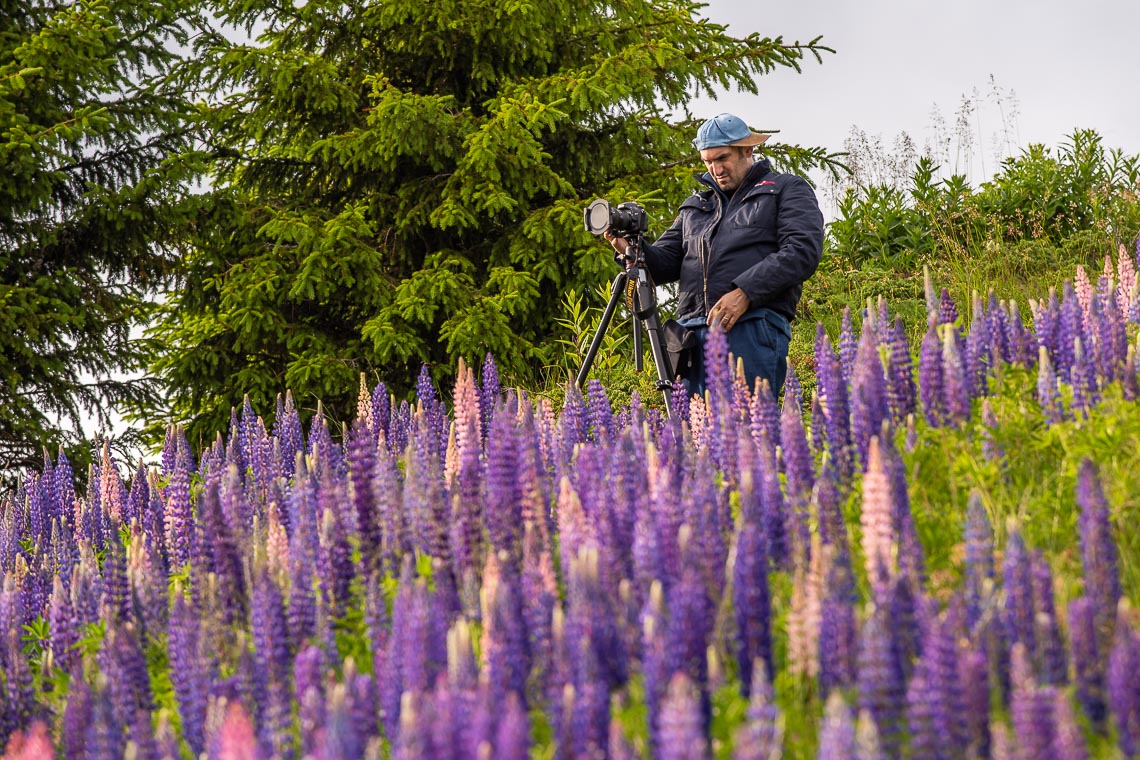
x: 767, y: 239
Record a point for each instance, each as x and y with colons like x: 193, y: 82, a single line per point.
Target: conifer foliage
x: 404, y: 183
x: 89, y: 123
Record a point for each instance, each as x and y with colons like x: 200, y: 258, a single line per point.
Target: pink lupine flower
x: 876, y: 516
x: 236, y: 739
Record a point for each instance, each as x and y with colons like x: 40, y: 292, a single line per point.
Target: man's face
x: 727, y: 165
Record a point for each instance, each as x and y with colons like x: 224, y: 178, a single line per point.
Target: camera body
x: 624, y: 220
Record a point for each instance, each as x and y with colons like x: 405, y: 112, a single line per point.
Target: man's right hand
x: 620, y: 244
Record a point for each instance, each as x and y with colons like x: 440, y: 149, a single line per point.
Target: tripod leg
x: 616, y: 293
x: 661, y: 359
x: 638, y: 350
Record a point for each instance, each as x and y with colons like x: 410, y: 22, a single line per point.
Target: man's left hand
x: 728, y: 309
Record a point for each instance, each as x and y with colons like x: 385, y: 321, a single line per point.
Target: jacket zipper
x: 706, y: 250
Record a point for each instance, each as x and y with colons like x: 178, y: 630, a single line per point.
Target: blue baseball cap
x: 727, y: 129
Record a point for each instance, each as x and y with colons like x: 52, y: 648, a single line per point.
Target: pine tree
x: 93, y: 145
x: 404, y: 183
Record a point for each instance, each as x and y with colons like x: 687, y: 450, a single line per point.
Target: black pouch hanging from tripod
x: 681, y: 345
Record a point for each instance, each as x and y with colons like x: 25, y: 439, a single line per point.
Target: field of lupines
x: 476, y: 576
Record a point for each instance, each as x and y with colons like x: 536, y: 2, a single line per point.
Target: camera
x: 625, y: 220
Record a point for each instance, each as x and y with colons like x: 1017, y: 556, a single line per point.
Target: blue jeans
x: 760, y: 338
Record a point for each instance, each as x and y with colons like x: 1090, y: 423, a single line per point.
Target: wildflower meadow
x: 921, y: 549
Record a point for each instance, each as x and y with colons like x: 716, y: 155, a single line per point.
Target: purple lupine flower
x: 997, y: 328
x: 512, y: 738
x: 1112, y: 346
x: 1082, y: 378
x: 64, y: 633
x: 506, y: 657
x: 189, y: 671
x: 504, y: 493
x: 930, y: 376
x: 955, y: 384
x: 338, y: 738
x: 940, y: 668
x: 1022, y: 343
x: 751, y: 601
x: 718, y: 371
x: 947, y: 309
x: 381, y: 412
x: 881, y: 683
x: 848, y: 346
x: 741, y: 395
x: 759, y: 737
x: 680, y: 730
x: 922, y: 709
x: 1068, y: 736
x: 122, y: 663
x: 1098, y: 549
x: 690, y: 623
x: 828, y: 501
x: 1031, y: 706
x: 592, y: 627
x: 76, y: 718
x: 428, y: 401
x: 1088, y: 665
x: 911, y: 560
x: 979, y: 557
x: 361, y: 472
x: 1048, y: 393
x: 977, y: 352
x: 288, y: 434
x: 765, y: 414
x: 179, y: 518
x: 654, y: 658
x: 991, y: 448
x: 1122, y: 685
x: 219, y: 548
x: 269, y: 628
x: 1052, y: 667
x: 833, y: 380
x: 837, y: 734
x: 335, y: 568
x: 599, y: 414
x: 817, y: 430
x: 773, y: 512
x: 901, y: 397
x: 798, y: 471
x: 973, y: 676
x: 1017, y: 579
x: 490, y: 392
x: 572, y: 422
x: 117, y: 601
x: 309, y: 684
x: 1070, y: 329
x: 838, y: 635
x: 1047, y: 321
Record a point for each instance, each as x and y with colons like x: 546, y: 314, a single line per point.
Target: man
x: 741, y: 250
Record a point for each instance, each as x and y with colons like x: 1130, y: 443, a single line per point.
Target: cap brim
x: 753, y: 139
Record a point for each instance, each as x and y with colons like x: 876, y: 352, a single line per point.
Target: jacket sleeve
x: 799, y: 237
x: 663, y: 257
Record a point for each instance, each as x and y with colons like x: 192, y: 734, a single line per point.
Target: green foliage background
x: 95, y: 155
x: 400, y: 183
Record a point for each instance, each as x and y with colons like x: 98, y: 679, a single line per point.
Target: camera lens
x: 598, y: 216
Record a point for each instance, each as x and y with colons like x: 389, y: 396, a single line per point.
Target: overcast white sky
x: 897, y: 61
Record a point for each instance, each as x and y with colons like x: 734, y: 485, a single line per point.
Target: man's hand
x: 620, y: 244
x: 728, y: 309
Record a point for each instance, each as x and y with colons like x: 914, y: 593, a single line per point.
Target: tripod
x: 640, y: 294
